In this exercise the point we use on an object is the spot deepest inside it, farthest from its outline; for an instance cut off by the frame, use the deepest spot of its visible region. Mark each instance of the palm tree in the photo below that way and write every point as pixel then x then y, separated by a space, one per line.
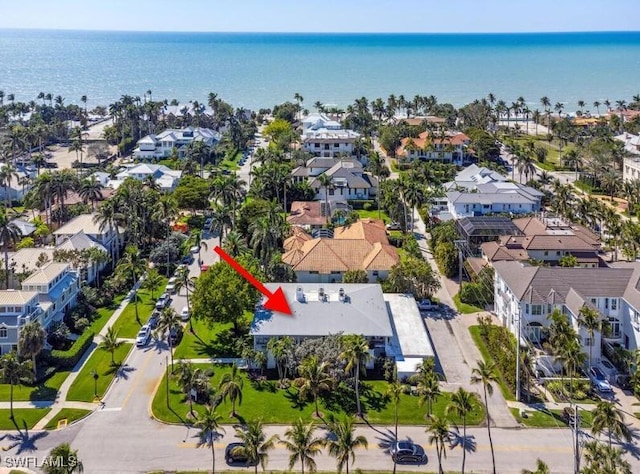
pixel 255 444
pixel 135 265
pixel 208 424
pixel 355 352
pixel 31 341
pixel 486 373
pixel 610 183
pixel 541 468
pixel 231 386
pixel 110 343
pixel 606 417
pixel 9 235
pixel 439 434
pixel 192 378
pixel 107 216
pixel 303 445
pixel 602 459
pixel 169 319
pixel 461 405
pixel 573 160
pixel 153 281
pixel 90 190
pixel 234 244
pixel 14 372
pixel 69 460
pixel 343 443
pixel 279 348
pixel 428 389
pixel 7 174
pixel 326 182
pixel 314 379
pixel 591 320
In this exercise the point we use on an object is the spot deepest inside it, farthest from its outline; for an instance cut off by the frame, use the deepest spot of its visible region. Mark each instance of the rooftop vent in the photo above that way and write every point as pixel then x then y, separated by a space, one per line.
pixel 300 294
pixel 341 295
pixel 321 294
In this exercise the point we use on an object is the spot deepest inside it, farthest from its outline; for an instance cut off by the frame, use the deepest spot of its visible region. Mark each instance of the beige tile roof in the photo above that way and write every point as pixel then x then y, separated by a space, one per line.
pixel 306 213
pixel 9 297
pixel 371 230
pixel 46 274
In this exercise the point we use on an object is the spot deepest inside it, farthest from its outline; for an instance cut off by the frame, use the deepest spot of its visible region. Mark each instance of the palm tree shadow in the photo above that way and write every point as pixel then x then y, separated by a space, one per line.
pixel 120 371
pixel 386 440
pixel 158 344
pixel 457 439
pixel 296 401
pixel 23 441
pixel 632 448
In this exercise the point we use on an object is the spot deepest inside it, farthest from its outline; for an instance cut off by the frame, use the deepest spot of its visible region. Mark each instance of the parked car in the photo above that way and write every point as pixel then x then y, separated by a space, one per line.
pixel 427 305
pixel 599 380
pixel 184 314
pixel 175 335
pixel 569 416
pixel 171 286
pixel 609 370
pixel 194 249
pixel 406 451
pixel 232 456
pixel 153 320
pixel 163 301
pixel 143 336
pixel 187 259
pixel 393 226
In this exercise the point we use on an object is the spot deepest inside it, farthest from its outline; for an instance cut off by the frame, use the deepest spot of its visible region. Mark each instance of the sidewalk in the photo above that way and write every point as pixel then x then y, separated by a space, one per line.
pixel 61 398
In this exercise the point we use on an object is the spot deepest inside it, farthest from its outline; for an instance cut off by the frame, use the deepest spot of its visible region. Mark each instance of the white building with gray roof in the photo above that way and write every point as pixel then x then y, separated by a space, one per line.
pixel 391 323
pixel 526 295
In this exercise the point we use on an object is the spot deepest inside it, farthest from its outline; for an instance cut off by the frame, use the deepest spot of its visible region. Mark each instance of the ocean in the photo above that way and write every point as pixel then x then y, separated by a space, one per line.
pixel 259 70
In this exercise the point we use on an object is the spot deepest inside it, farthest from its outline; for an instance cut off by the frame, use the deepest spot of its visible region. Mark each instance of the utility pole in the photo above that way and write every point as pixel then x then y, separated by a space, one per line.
pixel 576 448
pixel 459 246
pixel 518 336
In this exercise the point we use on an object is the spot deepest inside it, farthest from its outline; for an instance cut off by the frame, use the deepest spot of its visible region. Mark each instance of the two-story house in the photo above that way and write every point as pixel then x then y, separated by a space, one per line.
pixel 110 237
pixel 326 138
pixel 348 181
pixel 447 147
pixel 157 147
pixel 526 295
pixel 164 177
pixel 16 308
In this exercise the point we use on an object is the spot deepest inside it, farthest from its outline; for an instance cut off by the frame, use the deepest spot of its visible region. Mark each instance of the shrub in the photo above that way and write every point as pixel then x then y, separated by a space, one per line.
pixel 58 335
pixel 359 204
pixel 68 359
pixel 367 206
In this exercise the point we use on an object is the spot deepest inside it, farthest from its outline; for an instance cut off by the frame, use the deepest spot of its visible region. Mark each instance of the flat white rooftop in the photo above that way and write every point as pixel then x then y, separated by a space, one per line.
pixel 408 327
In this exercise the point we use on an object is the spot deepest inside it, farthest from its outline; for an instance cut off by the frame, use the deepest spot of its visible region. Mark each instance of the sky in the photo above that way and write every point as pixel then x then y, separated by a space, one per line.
pixel 428 16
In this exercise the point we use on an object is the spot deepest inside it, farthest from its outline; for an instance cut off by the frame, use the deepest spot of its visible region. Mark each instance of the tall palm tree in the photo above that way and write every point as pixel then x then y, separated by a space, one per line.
pixel 208 425
pixel 90 190
pixel 231 386
pixel 169 320
pixel 234 244
pixel 461 405
pixel 428 390
pixel 31 341
pixel 302 444
pixel 9 235
pixel 110 343
pixel 602 459
pixel 69 461
pixel 607 417
pixel 486 374
pixel 541 468
pixel 343 443
pixel 153 281
pixel 183 280
pixel 355 352
pixel 136 266
pixel 326 182
pixel 314 379
pixel 108 217
pixel 255 444
pixel 7 174
pixel 591 320
pixel 439 434
pixel 14 372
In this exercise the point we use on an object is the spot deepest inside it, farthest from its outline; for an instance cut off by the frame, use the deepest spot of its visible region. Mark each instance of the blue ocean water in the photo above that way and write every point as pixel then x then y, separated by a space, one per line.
pixel 259 70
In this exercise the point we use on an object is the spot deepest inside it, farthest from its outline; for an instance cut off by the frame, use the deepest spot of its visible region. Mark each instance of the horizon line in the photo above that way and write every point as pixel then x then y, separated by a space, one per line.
pixel 398 33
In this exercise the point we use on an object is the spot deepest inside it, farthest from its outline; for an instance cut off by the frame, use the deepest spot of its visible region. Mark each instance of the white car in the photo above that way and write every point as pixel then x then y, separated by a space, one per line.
pixel 427 305
pixel 171 286
pixel 184 314
pixel 143 336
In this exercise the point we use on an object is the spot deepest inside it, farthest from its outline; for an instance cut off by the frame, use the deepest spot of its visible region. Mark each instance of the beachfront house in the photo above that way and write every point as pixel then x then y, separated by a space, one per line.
pixel 323 137
pixel 447 147
pixel 160 146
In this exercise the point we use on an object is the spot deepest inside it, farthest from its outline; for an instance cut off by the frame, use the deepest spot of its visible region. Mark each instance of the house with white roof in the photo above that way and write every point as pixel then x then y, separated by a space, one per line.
pixel 45 296
pixel 108 236
pixel 157 147
pixel 526 295
pixel 166 178
pixel 478 191
pixel 326 138
pixel 19 184
pixel 348 181
pixel 391 324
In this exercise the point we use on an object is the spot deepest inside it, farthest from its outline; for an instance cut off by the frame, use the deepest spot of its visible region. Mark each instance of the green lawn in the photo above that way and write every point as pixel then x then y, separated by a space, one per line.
pixel 230 162
pixel 208 341
pixel 127 325
pixel 475 334
pixel 82 388
pixel 104 314
pixel 549 418
pixel 373 214
pixel 29 415
pixel 465 308
pixel 284 407
pixel 46 390
pixel 71 415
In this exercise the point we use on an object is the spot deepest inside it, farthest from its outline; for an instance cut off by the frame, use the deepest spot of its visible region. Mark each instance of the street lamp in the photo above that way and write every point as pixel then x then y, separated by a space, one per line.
pixel 95 383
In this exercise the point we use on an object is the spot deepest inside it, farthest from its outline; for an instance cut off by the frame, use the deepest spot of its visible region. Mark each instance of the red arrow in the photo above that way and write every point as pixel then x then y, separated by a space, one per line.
pixel 276 301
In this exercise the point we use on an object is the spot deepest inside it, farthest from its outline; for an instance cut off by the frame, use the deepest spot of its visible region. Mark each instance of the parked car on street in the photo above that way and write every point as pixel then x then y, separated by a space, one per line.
pixel 184 314
pixel 609 370
pixel 599 380
pixel 407 452
pixel 143 336
pixel 163 301
pixel 175 335
pixel 393 226
pixel 153 320
pixel 233 456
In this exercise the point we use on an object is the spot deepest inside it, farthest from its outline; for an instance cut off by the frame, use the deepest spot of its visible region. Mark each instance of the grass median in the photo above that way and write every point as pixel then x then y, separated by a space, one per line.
pixel 69 414
pixel 549 418
pixel 30 416
pixel 277 406
pixel 82 388
pixel 127 325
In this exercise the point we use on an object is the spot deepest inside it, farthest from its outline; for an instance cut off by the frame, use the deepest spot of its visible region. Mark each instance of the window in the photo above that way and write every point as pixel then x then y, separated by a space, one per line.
pixel 615 328
pixel 313 272
pixel 636 317
pixel 614 304
pixel 536 309
pixel 4 333
pixel 546 252
pixel 526 308
pixel 331 192
pixel 594 302
pixel 606 303
pixel 588 341
pixel 375 273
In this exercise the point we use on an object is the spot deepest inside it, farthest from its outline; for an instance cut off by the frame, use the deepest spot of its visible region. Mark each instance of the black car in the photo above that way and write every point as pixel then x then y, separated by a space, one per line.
pixel 187 259
pixel 233 456
pixel 407 452
pixel 175 335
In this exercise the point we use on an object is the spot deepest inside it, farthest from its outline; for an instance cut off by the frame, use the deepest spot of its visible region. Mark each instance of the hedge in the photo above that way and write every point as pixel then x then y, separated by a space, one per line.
pixel 358 205
pixel 69 358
